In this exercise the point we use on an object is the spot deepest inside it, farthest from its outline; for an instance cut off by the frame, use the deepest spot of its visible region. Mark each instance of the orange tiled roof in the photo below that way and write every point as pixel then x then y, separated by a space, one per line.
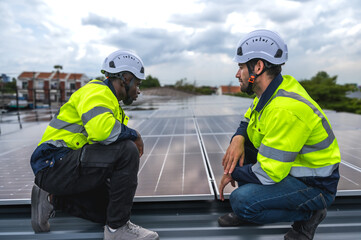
pixel 52 75
pixel 26 75
pixel 60 76
pixel 75 76
pixel 44 75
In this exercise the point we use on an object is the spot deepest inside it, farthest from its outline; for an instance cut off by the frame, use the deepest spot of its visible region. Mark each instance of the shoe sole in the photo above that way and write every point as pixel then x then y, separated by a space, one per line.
pixel 223 223
pixel 35 194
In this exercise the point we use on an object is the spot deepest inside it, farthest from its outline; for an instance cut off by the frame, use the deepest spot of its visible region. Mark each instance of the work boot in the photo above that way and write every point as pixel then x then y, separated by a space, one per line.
pixel 130 231
pixel 230 220
pixel 41 210
pixel 305 230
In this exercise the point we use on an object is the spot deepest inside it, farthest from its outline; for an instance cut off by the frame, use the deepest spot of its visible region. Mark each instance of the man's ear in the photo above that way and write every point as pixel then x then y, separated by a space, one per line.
pixel 127 77
pixel 259 67
pixel 120 81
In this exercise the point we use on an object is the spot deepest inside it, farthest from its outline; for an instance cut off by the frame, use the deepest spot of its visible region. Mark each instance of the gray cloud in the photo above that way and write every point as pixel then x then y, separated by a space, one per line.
pixel 321 35
pixel 213 40
pixel 160 46
pixel 211 15
pixel 102 22
pixel 154 45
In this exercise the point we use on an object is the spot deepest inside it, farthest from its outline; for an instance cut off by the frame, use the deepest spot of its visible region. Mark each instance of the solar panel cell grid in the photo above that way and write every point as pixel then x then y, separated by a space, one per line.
pixel 185 141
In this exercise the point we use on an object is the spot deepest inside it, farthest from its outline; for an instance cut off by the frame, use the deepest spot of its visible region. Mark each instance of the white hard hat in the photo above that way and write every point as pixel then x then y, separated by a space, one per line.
pixel 263 44
pixel 123 60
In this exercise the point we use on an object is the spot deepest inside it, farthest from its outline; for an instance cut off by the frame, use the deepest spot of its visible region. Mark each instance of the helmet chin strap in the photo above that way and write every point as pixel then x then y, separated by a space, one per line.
pixel 252 78
pixel 128 100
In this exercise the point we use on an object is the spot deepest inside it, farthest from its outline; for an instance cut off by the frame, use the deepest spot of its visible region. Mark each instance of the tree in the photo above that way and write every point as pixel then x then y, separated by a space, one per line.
pixel 330 95
pixel 180 83
pixel 101 78
pixel 150 82
pixel 9 87
pixel 183 85
pixel 58 67
pixel 323 88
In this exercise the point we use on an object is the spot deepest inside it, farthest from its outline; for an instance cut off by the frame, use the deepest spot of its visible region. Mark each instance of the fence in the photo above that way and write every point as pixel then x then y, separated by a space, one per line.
pixel 25 116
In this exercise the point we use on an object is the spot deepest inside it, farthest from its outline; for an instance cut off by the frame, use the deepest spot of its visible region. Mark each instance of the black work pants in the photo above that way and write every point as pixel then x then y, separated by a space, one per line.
pixel 97 182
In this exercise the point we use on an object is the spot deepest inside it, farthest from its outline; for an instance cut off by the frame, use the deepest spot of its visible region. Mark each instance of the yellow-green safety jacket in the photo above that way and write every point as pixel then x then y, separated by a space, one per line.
pixel 92 115
pixel 292 134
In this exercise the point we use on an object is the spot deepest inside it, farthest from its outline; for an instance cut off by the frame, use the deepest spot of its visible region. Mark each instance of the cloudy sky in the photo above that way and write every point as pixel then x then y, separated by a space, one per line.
pixel 193 39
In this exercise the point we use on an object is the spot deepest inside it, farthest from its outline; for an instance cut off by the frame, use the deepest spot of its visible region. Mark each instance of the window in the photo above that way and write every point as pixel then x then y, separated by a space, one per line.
pixel 24 85
pixel 40 84
pixel 54 85
pixel 72 86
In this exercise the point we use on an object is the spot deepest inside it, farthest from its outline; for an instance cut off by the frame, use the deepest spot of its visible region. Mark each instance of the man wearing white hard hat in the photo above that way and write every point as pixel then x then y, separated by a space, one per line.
pixel 284 155
pixel 87 161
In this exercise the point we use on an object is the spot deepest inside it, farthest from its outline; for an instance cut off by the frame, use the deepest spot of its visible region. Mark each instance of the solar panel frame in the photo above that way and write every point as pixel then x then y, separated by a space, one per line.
pixel 209 120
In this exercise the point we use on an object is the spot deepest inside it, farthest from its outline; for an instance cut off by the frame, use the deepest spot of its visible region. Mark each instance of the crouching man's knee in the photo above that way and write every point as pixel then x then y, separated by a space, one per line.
pixel 241 205
pixel 128 155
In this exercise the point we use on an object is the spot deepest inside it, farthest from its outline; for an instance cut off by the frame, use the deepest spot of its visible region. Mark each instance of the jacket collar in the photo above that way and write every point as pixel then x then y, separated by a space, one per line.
pixel 110 85
pixel 267 94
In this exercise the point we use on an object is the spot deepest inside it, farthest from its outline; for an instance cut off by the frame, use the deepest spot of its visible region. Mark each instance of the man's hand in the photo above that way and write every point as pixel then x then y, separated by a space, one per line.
pixel 139 143
pixel 227 178
pixel 234 153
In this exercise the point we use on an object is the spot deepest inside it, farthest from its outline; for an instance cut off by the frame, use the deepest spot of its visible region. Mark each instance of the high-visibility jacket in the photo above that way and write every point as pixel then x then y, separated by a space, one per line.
pixel 92 115
pixel 292 134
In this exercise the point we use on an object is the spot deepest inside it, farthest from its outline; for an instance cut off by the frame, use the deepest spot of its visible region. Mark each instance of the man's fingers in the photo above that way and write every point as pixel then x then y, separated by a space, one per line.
pixel 221 187
pixel 233 165
pixel 227 166
pixel 241 160
pixel 224 159
pixel 230 166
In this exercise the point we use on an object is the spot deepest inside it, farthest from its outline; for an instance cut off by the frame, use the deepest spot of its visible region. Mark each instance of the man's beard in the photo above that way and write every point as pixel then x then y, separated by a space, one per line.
pixel 244 87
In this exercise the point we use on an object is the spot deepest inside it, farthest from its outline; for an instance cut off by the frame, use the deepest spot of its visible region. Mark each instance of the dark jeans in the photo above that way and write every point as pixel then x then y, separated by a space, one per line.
pixel 287 201
pixel 97 182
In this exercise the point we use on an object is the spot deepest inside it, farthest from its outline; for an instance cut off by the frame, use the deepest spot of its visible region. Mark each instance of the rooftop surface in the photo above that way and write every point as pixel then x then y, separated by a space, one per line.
pixel 177 195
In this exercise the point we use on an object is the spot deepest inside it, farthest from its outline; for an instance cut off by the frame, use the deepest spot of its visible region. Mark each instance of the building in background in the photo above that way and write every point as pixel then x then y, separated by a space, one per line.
pixel 47 88
pixel 228 90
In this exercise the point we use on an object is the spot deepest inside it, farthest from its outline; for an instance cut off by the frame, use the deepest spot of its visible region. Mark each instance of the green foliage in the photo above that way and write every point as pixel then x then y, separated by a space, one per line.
pixel 9 87
pixel 101 78
pixel 183 85
pixel 58 67
pixel 150 82
pixel 329 95
pixel 323 88
pixel 205 90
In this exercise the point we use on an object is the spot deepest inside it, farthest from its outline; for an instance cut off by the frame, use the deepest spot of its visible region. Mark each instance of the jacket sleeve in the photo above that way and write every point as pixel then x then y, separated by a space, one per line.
pixel 97 114
pixel 245 174
pixel 241 130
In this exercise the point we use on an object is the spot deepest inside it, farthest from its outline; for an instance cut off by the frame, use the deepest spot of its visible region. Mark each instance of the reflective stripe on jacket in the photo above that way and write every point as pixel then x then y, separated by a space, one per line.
pixel 292 134
pixel 92 115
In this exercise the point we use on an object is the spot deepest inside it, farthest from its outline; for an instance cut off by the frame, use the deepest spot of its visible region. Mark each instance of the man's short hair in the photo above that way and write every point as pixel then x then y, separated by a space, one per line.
pixel 273 69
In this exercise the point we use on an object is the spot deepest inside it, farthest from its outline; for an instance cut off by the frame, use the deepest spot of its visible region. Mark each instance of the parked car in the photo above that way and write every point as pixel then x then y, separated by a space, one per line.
pixel 22 104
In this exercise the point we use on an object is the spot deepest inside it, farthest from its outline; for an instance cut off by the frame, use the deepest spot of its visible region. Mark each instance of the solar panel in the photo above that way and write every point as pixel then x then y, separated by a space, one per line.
pixel 185 140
